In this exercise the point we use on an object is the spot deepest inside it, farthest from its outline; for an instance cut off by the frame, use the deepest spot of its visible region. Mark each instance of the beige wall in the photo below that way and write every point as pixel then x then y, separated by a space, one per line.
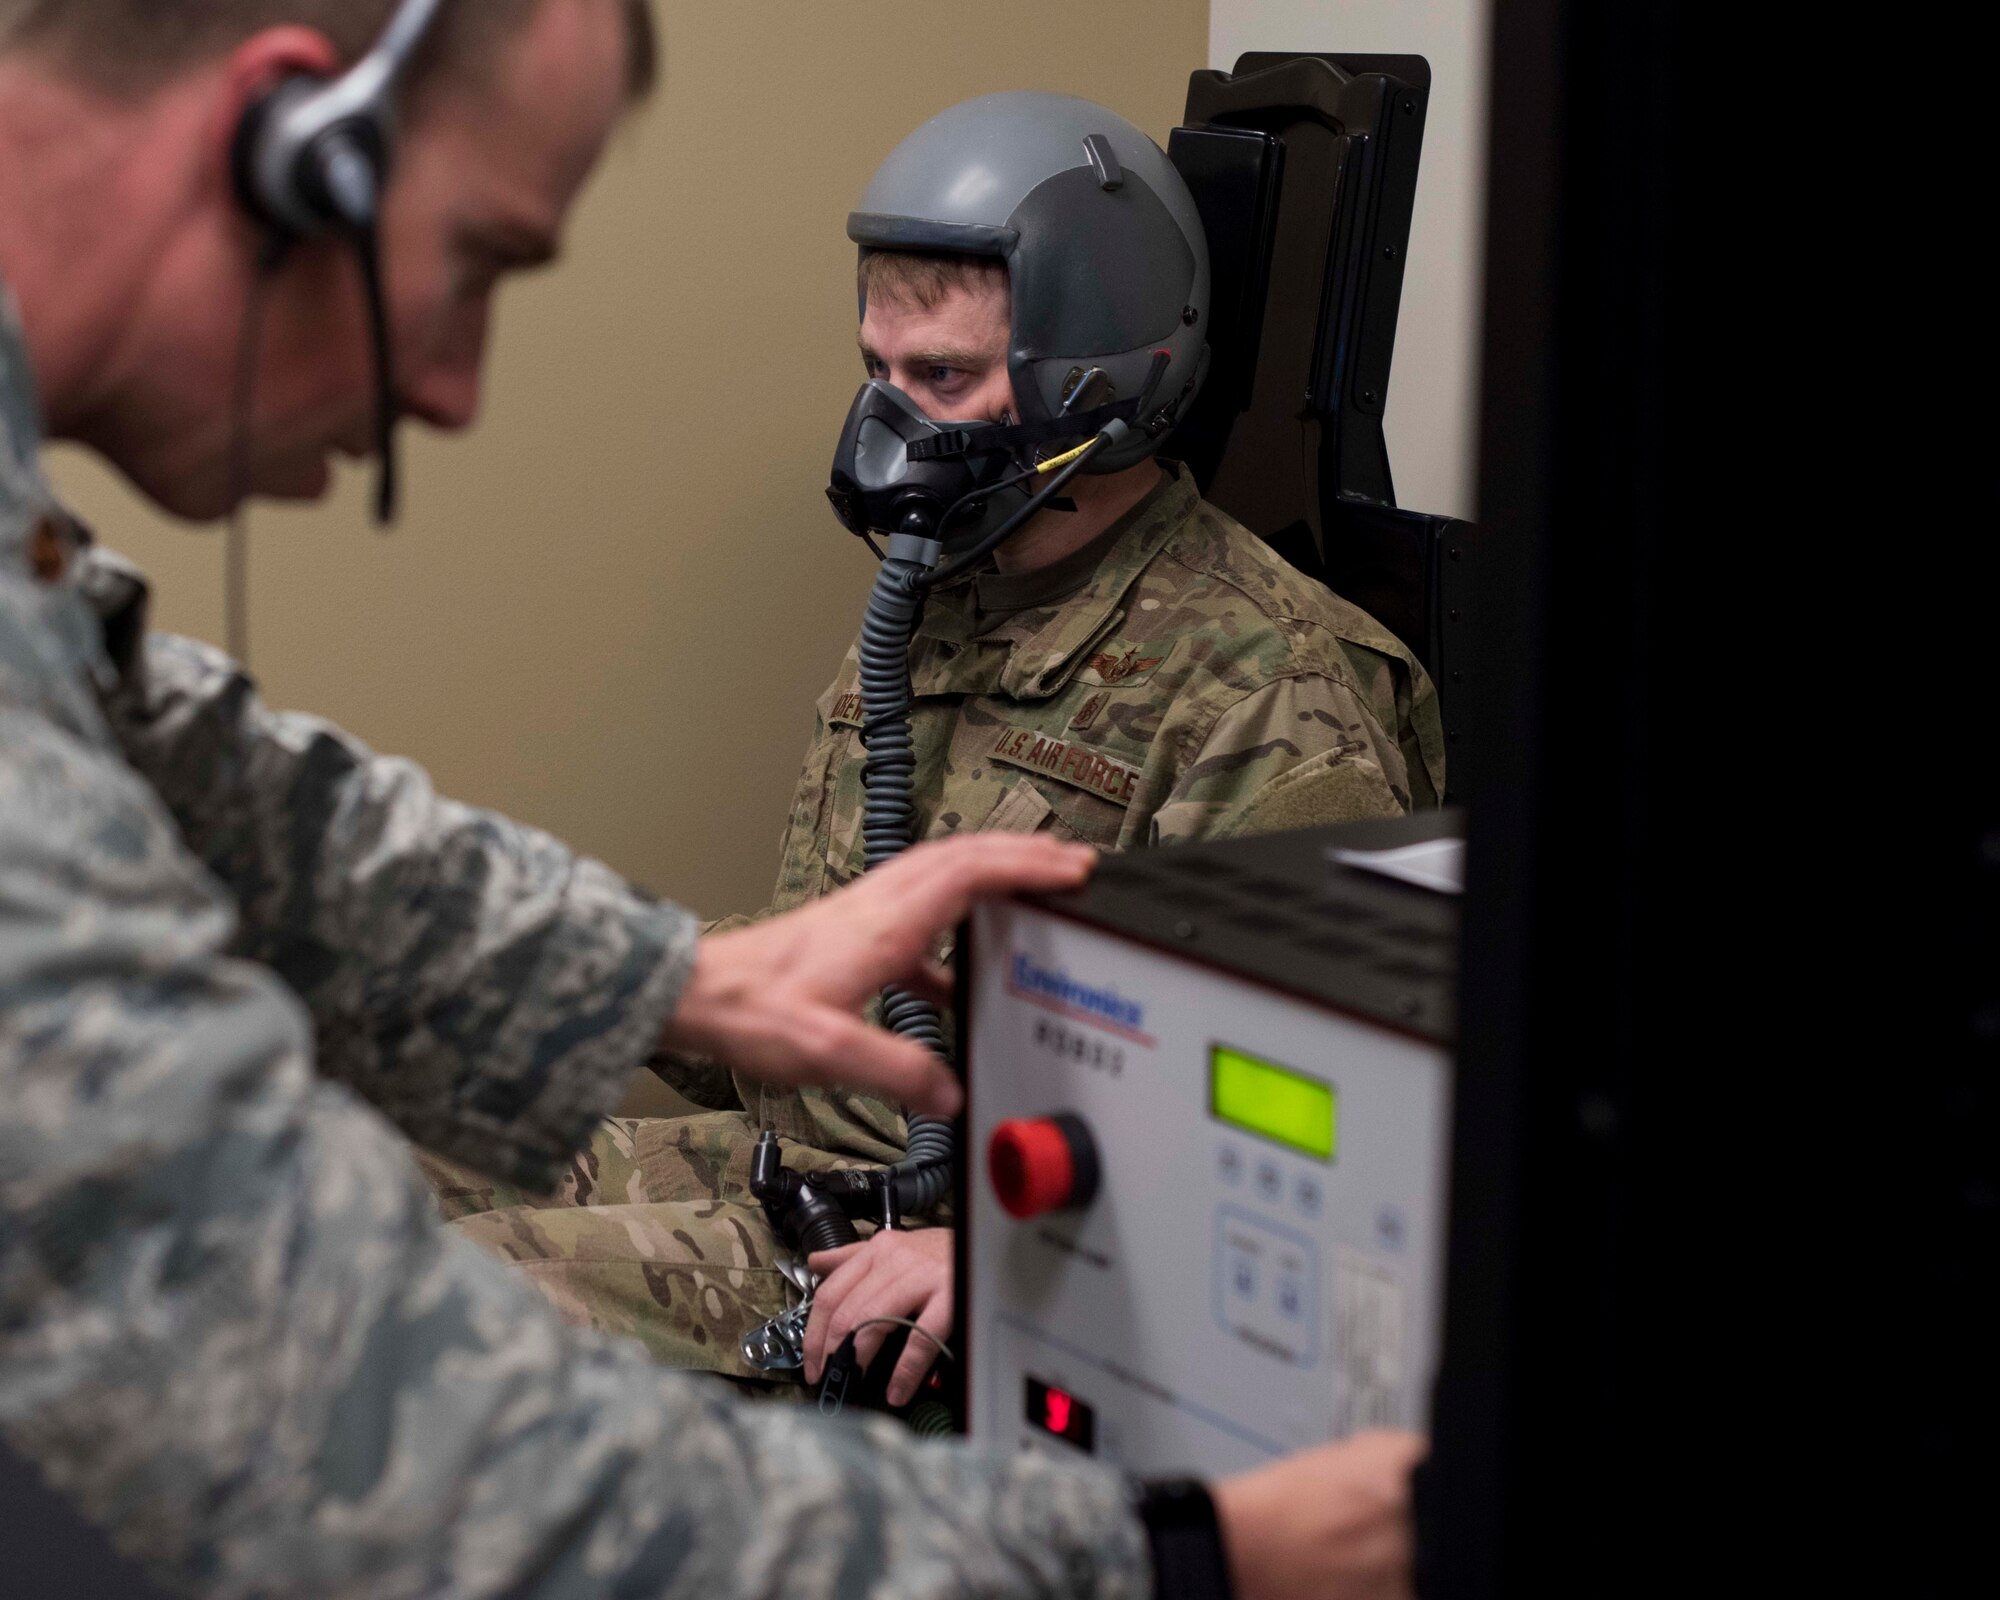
pixel 609 609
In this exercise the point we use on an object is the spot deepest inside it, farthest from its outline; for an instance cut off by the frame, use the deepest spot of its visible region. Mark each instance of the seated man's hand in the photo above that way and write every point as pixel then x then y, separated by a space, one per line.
pixel 1329 1524
pixel 894 1274
pixel 781 1000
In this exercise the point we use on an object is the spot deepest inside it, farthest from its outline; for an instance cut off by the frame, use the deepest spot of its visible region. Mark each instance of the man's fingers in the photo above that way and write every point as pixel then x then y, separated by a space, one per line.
pixel 932 982
pixel 825 1327
pixel 897 1298
pixel 889 921
pixel 920 1355
pixel 887 1283
pixel 849 1315
pixel 868 1341
pixel 935 884
pixel 1400 1449
pixel 849 1051
pixel 827 1301
pixel 828 1262
pixel 777 1000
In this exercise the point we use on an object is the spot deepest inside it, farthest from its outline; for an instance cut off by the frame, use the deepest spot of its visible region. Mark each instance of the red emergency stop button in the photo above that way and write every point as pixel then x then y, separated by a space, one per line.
pixel 1043 1164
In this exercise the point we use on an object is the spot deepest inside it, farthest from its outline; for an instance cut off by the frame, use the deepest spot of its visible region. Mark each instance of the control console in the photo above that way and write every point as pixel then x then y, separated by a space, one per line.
pixel 1206 1151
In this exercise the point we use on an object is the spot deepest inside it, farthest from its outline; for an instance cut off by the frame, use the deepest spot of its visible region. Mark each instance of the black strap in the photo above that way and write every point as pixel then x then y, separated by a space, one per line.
pixel 368 251
pixel 950 442
pixel 1189 1562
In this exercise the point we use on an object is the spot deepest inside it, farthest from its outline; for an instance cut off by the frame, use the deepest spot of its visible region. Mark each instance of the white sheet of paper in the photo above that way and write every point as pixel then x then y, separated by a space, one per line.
pixel 1435 864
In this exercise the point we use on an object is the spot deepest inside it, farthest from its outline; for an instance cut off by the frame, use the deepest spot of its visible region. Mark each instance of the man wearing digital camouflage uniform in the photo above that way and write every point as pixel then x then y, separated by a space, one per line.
pixel 1142 671
pixel 239 953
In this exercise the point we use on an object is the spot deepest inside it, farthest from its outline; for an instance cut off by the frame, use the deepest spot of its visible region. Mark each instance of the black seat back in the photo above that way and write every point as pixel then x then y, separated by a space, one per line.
pixel 1305 171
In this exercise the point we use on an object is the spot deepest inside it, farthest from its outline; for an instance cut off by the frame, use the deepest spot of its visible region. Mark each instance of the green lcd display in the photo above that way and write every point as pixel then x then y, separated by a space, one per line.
pixel 1272 1102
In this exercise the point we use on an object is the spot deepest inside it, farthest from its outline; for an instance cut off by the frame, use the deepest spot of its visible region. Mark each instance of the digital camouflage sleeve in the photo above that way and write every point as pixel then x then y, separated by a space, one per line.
pixel 487 989
pixel 232 1329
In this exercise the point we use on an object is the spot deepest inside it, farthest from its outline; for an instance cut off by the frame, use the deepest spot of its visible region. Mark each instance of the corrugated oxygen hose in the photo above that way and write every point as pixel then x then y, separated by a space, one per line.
pixel 888 827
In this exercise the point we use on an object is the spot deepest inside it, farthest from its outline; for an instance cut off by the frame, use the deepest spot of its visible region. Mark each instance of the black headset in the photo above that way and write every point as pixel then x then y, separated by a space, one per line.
pixel 312 160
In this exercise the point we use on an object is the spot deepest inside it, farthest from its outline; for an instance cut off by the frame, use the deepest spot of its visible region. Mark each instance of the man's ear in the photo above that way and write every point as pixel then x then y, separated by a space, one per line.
pixel 256 67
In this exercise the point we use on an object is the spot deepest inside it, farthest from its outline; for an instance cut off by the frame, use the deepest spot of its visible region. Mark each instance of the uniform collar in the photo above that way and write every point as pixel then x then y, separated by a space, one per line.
pixel 1033 654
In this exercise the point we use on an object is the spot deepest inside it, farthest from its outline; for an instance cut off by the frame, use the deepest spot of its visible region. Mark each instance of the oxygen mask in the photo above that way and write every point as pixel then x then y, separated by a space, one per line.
pixel 895 464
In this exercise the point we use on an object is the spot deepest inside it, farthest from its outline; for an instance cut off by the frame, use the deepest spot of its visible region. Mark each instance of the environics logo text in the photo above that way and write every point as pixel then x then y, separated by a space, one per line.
pixel 1057 990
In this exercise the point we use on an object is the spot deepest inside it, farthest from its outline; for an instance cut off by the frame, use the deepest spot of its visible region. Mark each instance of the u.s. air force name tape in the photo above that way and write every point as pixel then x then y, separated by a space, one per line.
pixel 1067 763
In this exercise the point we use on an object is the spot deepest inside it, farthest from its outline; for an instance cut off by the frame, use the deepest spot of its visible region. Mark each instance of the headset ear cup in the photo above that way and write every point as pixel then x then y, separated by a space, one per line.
pixel 243 153
pixel 250 155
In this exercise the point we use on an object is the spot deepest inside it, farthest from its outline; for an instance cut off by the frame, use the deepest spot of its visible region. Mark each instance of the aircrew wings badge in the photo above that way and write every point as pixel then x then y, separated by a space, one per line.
pixel 1110 668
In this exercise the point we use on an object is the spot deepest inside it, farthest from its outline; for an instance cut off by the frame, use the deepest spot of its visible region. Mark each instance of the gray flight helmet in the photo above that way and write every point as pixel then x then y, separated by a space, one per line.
pixel 1103 245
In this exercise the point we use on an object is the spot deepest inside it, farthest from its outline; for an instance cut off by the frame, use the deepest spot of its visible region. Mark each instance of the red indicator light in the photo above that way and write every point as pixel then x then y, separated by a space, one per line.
pixel 1059 1413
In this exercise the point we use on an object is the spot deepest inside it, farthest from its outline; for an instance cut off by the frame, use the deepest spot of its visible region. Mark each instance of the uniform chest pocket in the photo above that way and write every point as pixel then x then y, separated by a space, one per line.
pixel 1086 793
pixel 1076 815
pixel 1026 808
pixel 1022 809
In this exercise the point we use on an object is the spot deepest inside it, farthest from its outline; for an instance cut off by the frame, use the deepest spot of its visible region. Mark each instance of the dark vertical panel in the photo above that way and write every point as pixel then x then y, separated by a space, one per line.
pixel 1942 1047
pixel 1577 894
pixel 1471 1505
pixel 1725 1198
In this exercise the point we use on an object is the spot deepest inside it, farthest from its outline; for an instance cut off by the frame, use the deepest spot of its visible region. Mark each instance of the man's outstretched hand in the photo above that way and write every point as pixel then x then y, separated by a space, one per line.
pixel 1328 1524
pixel 781 1000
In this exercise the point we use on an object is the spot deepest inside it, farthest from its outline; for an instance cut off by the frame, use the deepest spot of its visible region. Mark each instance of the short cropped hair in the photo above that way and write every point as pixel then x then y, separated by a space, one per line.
pixel 915 277
pixel 130 46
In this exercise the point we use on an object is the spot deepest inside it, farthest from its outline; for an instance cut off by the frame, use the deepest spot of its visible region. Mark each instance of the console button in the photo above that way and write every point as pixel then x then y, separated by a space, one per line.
pixel 1043 1164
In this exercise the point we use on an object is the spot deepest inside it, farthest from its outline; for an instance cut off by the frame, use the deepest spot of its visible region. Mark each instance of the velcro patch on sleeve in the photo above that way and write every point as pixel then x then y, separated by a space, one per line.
pixel 1069 763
